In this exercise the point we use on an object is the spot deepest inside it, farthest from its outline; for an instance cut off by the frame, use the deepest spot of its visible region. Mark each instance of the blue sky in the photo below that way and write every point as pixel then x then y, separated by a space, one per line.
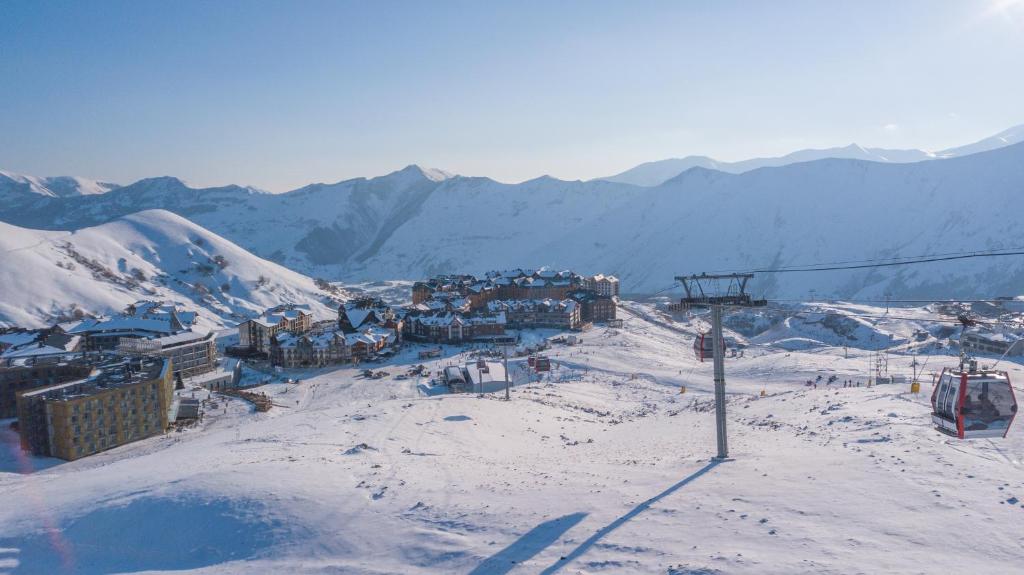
pixel 280 94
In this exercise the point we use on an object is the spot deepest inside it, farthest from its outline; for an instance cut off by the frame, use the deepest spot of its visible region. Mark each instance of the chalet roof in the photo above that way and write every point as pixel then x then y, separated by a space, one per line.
pixel 358 316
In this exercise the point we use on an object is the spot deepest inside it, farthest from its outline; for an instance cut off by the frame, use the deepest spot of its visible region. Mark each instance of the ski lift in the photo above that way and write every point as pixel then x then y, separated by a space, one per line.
pixel 968 402
pixel 704 346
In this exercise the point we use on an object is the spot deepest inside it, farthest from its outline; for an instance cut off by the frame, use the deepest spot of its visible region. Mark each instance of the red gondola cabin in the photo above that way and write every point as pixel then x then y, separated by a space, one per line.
pixel 704 346
pixel 968 402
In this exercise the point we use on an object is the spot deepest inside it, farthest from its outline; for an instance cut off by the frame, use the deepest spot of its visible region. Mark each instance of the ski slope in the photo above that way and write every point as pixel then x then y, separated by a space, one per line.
pixel 47 275
pixel 609 473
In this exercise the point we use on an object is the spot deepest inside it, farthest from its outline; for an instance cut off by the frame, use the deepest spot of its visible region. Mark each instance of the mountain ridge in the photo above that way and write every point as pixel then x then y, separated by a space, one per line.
pixel 659 171
pixel 408 225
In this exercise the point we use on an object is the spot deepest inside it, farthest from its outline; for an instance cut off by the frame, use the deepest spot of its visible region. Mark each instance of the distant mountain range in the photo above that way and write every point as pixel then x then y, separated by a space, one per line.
pixel 415 222
pixel 655 173
pixel 13 186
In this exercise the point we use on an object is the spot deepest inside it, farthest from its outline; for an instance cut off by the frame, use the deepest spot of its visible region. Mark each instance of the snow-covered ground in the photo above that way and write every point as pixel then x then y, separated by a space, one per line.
pixel 609 473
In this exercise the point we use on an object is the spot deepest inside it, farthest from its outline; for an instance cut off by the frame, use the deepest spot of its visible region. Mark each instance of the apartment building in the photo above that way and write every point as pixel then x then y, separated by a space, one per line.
pixel 126 400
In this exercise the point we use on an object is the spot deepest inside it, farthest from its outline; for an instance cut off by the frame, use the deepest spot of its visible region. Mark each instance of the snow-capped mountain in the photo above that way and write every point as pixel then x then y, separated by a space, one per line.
pixel 658 172
pixel 416 222
pixel 319 229
pixel 47 275
pixel 704 220
pixel 1007 137
pixel 18 187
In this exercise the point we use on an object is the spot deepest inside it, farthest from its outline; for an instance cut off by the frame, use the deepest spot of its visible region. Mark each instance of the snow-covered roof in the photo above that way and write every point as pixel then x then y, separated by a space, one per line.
pixel 53 345
pixel 320 341
pixel 994 336
pixel 357 316
pixel 126 324
pixel 287 339
pixel 274 316
pixel 437 320
pixel 182 338
pixel 108 375
pixel 18 338
pixel 491 372
pixel 496 319
pixel 377 331
pixel 33 350
pixel 566 305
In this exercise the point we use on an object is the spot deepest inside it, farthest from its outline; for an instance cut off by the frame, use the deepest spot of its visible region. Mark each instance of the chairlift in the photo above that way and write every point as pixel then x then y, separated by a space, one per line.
pixel 969 402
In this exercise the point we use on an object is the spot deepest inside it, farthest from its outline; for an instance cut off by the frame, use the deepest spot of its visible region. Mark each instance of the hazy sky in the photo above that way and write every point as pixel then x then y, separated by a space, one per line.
pixel 280 94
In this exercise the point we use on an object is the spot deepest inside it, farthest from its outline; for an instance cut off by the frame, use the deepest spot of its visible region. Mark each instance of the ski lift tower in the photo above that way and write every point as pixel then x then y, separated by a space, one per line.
pixel 705 291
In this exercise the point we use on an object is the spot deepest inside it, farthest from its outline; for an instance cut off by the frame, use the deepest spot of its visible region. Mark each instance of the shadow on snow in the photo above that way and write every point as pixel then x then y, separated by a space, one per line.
pixel 146 534
pixel 586 545
pixel 528 545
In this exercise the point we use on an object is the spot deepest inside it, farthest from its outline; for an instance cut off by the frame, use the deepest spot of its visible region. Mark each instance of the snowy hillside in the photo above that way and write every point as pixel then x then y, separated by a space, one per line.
pixel 603 469
pixel 150 255
pixel 416 222
pixel 658 172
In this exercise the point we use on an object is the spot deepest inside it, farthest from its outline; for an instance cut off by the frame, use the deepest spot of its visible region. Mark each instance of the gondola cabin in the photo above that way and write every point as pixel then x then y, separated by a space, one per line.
pixel 542 363
pixel 968 402
pixel 704 346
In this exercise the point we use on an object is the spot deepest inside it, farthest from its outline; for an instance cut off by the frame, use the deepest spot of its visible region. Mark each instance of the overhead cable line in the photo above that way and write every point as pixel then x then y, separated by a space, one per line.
pixel 893 259
pixel 902 262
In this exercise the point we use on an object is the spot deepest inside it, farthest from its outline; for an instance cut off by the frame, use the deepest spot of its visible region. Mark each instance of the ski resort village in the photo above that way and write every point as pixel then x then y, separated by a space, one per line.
pixel 228 399
pixel 511 288
pixel 519 421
